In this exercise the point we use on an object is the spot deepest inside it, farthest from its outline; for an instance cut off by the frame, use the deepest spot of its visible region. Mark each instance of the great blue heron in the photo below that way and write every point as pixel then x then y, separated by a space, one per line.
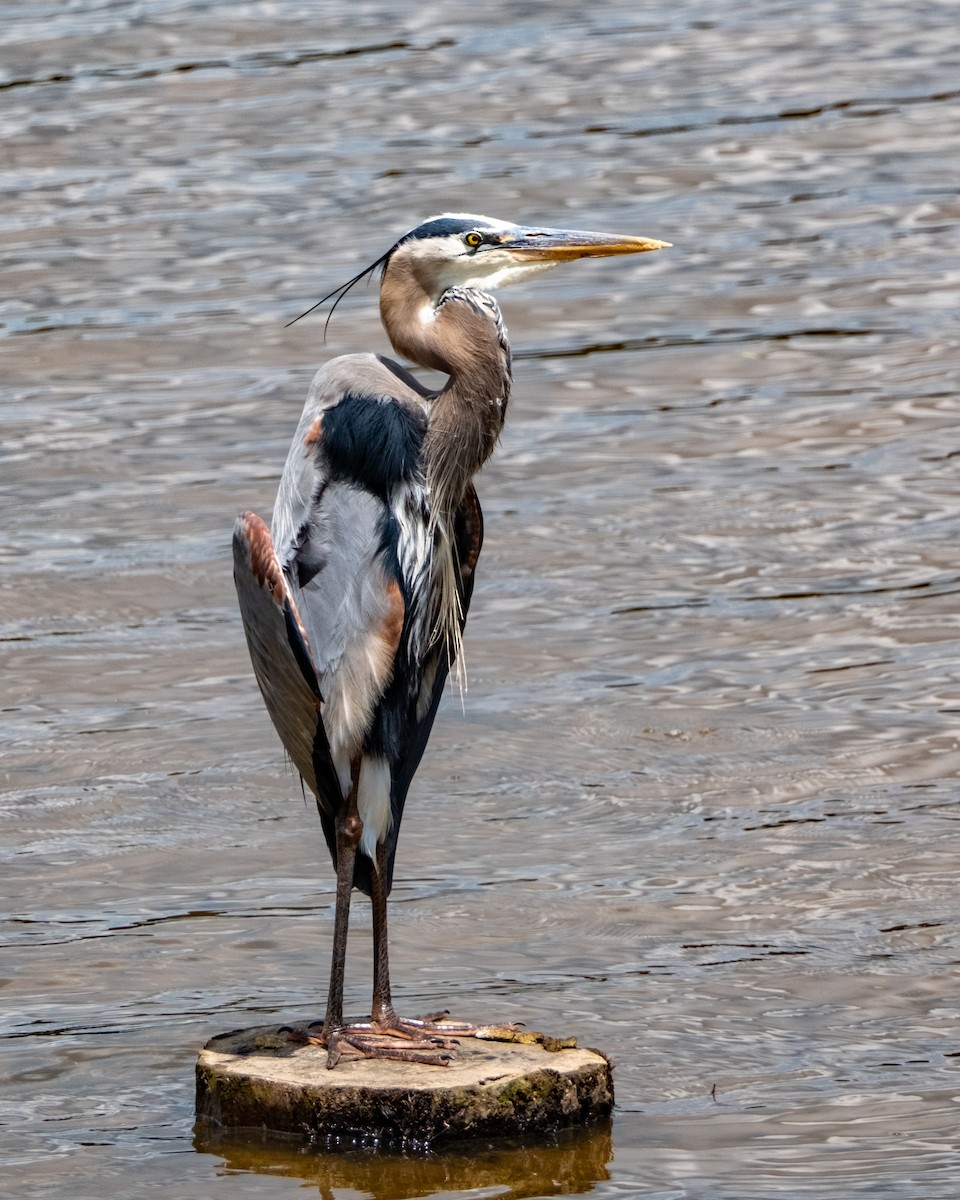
pixel 354 601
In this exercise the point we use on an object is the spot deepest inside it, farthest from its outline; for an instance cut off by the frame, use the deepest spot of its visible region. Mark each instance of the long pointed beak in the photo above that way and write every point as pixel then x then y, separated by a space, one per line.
pixel 564 245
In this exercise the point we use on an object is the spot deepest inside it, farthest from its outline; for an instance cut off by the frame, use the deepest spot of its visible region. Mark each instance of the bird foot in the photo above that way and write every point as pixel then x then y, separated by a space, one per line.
pixel 436 1027
pixel 368 1042
pixel 416 1040
pixel 427 1040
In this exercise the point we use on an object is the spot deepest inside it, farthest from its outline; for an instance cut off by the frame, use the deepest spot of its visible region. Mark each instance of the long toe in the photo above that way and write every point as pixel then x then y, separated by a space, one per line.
pixel 428 1040
pixel 358 1043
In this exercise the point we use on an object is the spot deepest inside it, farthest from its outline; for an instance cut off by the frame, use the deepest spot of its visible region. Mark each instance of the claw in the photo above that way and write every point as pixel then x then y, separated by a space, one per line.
pixel 422 1040
pixel 366 1043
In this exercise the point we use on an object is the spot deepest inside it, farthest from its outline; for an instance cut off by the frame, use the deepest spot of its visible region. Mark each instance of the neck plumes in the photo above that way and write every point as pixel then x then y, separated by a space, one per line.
pixel 458 332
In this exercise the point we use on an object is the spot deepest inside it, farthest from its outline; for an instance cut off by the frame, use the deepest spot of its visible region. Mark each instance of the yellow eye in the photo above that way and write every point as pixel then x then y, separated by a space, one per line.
pixel 473 239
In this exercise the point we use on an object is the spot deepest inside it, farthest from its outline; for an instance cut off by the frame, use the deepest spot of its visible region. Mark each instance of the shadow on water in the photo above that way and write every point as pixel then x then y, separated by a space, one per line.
pixel 572 1163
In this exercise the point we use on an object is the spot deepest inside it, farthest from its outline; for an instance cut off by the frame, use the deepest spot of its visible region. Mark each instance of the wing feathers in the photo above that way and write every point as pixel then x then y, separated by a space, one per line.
pixel 337 603
pixel 281 657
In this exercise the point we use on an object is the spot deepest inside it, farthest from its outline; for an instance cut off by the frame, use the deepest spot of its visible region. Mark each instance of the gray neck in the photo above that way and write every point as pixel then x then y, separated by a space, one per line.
pixel 462 335
pixel 466 417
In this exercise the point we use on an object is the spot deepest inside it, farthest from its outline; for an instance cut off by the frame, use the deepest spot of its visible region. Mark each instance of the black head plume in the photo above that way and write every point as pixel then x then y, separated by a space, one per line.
pixel 342 290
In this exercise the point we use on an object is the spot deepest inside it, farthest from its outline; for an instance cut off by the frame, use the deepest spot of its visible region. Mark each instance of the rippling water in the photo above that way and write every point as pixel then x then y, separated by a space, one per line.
pixel 700 808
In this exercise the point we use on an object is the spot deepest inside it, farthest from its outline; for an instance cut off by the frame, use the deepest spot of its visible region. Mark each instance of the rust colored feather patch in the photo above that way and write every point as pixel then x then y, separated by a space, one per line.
pixel 392 626
pixel 474 524
pixel 314 434
pixel 266 567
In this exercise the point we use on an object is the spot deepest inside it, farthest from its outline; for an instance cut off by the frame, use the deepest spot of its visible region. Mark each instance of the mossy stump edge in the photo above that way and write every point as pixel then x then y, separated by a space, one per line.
pixel 261 1080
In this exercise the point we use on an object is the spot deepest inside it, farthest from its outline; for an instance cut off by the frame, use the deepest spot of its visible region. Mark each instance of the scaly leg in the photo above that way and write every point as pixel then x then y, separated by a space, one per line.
pixel 383 1016
pixel 384 1036
pixel 349 829
pixel 422 1032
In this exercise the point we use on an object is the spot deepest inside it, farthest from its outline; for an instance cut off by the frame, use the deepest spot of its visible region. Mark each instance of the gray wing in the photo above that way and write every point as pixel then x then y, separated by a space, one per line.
pixel 281 656
pixel 352 610
pixel 334 527
pixel 320 595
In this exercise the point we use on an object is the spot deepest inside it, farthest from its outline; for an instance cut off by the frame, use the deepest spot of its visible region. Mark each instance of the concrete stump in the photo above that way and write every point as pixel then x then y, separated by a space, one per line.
pixel 261 1080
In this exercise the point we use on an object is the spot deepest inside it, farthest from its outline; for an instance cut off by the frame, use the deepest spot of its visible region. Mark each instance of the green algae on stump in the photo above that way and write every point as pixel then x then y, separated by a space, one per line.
pixel 260 1079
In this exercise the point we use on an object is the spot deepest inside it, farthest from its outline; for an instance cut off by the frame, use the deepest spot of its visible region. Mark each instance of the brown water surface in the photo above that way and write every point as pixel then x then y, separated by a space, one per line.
pixel 700 806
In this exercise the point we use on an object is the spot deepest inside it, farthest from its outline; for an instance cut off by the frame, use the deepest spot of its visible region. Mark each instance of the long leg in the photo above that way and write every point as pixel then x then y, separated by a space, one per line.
pixel 381 1012
pixel 379 1039
pixel 383 1016
pixel 349 829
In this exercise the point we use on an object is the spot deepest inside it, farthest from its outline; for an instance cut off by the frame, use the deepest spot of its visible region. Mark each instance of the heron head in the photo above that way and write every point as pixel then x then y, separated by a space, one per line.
pixel 468 251
pixel 463 250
